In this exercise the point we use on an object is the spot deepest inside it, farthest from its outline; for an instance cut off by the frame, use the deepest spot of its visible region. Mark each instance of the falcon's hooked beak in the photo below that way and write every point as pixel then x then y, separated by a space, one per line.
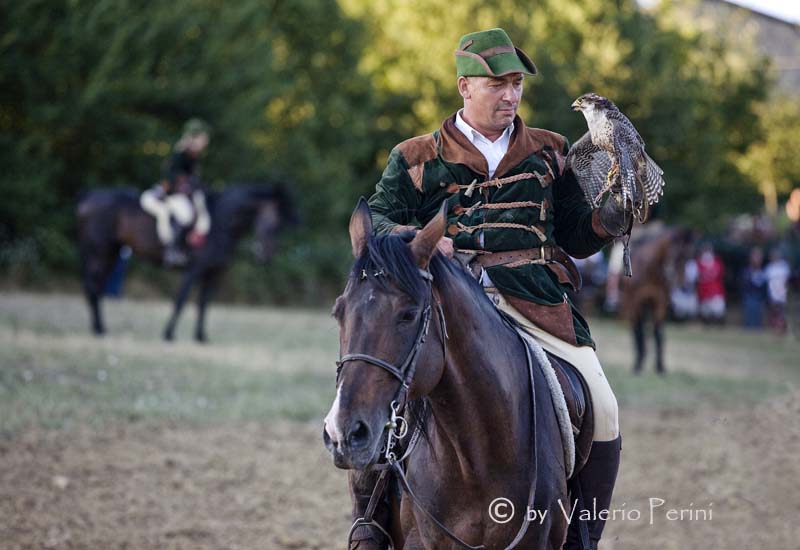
pixel 577 105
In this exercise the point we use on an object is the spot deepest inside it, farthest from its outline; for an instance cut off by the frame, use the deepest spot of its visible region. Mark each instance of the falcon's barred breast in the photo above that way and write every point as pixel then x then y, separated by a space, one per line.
pixel 610 153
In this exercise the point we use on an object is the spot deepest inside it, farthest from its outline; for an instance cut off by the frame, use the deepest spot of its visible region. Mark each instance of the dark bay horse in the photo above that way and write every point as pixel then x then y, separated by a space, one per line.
pixel 111 218
pixel 416 328
pixel 660 252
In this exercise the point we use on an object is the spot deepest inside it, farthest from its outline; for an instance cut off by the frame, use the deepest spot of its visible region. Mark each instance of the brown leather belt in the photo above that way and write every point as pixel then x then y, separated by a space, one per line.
pixel 552 256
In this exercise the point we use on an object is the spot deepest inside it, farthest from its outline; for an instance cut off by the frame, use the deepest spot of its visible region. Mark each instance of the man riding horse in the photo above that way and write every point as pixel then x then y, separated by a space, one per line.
pixel 515 213
pixel 177 201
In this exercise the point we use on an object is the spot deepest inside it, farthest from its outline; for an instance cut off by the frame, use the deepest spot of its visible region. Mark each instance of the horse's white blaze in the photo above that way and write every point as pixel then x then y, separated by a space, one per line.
pixel 332 420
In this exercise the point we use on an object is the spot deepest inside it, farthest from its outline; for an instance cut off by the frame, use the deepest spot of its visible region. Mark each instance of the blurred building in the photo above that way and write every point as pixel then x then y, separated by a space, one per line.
pixel 774 38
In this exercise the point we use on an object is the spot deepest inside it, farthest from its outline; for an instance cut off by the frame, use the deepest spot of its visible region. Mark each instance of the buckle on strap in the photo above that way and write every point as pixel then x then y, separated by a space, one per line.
pixel 542 259
pixel 545 254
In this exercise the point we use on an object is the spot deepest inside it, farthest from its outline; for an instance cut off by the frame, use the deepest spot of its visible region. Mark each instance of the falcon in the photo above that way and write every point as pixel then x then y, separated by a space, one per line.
pixel 611 156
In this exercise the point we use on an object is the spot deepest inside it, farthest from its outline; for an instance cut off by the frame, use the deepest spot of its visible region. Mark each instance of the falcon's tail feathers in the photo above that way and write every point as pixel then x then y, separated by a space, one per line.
pixel 653 181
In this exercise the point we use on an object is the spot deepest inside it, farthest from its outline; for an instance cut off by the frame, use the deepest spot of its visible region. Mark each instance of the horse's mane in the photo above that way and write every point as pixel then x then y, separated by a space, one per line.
pixel 230 203
pixel 391 256
pixel 241 193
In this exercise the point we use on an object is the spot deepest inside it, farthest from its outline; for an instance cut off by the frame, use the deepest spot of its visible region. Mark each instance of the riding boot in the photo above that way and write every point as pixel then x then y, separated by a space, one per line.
pixel 368 537
pixel 594 485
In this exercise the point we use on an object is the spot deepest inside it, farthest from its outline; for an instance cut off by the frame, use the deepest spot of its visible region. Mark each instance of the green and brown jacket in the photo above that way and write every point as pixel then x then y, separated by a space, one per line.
pixel 530 202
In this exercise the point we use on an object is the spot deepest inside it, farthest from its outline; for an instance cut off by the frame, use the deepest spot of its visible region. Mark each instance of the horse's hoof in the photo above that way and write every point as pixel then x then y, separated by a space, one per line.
pixel 201 338
pixel 169 337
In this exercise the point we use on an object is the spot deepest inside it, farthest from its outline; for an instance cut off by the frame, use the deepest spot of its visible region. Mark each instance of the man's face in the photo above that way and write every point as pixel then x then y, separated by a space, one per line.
pixel 490 103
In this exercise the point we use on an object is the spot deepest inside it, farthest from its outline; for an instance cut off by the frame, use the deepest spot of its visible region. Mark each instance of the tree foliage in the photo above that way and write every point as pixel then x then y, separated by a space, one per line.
pixel 772 161
pixel 94 93
pixel 692 98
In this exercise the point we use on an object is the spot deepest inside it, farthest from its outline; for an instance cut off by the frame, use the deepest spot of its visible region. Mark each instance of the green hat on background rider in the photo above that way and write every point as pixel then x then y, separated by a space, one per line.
pixel 195 137
pixel 194 127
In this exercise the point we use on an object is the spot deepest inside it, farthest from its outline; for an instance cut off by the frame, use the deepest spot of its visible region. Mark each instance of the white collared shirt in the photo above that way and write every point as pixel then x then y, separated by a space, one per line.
pixel 493 151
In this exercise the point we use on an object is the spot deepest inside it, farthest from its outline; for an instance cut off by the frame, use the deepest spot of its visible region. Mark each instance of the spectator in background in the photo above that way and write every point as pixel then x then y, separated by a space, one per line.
pixel 593 271
pixel 710 287
pixel 613 275
pixel 754 290
pixel 684 293
pixel 777 275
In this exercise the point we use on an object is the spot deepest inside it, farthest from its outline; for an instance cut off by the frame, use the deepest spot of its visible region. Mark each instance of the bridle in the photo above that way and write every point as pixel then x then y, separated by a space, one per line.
pixel 397 425
pixel 405 372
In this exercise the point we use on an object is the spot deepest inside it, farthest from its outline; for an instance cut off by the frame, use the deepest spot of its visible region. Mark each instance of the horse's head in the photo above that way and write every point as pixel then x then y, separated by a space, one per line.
pixel 390 337
pixel 266 225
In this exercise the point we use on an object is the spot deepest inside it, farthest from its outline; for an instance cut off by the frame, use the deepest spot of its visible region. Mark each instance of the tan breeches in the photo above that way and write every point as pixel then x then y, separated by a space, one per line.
pixel 604 403
pixel 179 206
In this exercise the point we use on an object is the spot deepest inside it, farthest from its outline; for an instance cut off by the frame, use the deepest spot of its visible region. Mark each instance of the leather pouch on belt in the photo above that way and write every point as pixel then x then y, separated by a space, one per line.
pixel 561 273
pixel 557 319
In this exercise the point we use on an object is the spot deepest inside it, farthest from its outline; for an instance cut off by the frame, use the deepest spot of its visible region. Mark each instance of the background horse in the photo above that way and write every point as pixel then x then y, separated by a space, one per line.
pixel 659 253
pixel 490 430
pixel 111 218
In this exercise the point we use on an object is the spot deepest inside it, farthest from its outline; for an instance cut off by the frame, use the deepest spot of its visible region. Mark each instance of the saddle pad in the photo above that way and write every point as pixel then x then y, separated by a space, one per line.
pixel 559 402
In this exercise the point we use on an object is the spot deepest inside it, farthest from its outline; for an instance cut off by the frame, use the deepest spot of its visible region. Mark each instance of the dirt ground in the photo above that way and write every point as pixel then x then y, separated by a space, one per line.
pixel 168 487
pixel 252 474
pixel 272 486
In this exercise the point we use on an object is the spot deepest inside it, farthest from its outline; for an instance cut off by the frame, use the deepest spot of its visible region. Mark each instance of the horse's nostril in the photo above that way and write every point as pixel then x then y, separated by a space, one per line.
pixel 359 435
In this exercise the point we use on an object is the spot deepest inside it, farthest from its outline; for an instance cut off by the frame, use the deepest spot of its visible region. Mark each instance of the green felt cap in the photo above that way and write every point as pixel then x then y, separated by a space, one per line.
pixel 491 53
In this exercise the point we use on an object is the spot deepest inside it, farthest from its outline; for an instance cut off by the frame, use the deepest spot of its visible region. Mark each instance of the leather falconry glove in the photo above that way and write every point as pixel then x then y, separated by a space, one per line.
pixel 615 216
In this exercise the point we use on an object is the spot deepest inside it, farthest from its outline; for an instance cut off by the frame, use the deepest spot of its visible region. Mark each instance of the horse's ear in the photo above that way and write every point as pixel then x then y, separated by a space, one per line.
pixel 423 246
pixel 360 227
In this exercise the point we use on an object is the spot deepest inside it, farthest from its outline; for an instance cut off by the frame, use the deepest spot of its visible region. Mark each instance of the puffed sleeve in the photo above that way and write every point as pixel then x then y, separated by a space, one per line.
pixel 396 201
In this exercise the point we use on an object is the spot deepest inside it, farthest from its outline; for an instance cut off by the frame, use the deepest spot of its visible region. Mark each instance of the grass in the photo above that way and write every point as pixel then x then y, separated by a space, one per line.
pixel 266 364
pixel 706 366
pixel 263 364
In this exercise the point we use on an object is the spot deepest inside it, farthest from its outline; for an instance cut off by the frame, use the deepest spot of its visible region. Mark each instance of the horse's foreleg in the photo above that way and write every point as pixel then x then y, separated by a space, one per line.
pixel 94 272
pixel 93 295
pixel 207 288
pixel 98 327
pixel 180 300
pixel 641 346
pixel 658 333
pixel 413 541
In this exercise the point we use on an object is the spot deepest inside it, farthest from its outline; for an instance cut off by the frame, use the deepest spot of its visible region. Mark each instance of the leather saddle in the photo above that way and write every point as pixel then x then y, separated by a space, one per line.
pixel 579 405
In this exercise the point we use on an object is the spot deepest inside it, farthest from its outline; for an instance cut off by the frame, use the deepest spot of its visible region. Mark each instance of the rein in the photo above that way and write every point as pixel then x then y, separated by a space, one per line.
pixel 397 426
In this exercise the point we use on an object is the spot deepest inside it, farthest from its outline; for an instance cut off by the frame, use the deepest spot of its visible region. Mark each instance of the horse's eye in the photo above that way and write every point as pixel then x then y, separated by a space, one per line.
pixel 408 315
